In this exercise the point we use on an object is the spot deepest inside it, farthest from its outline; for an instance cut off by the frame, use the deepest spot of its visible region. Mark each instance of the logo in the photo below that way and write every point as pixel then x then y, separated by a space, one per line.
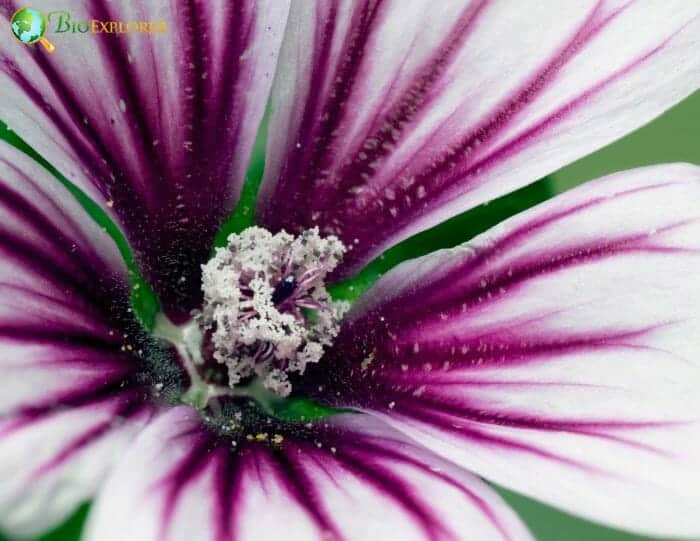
pixel 30 25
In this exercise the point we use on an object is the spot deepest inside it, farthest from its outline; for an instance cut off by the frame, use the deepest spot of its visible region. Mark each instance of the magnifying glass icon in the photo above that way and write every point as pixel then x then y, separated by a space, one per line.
pixel 29 26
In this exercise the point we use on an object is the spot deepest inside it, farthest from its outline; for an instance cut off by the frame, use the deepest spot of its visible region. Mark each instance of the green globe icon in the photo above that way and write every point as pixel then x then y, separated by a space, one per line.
pixel 28 25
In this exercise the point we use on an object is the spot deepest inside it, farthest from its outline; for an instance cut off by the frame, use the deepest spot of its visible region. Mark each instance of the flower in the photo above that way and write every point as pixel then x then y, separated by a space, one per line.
pixel 555 354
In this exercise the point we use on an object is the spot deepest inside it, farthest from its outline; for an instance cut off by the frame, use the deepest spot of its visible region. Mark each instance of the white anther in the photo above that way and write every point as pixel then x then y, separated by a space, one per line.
pixel 266 309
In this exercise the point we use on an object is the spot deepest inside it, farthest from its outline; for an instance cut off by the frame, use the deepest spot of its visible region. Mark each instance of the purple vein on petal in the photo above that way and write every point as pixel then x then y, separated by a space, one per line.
pixel 311 483
pixel 190 467
pixel 124 153
pixel 302 489
pixel 370 449
pixel 469 277
pixel 125 411
pixel 375 161
pixel 385 482
pixel 228 485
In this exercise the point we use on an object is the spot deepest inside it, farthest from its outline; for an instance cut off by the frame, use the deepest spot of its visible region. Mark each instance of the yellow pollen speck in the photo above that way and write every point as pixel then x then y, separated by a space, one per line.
pixel 249 437
pixel 262 436
pixel 110 203
pixel 277 439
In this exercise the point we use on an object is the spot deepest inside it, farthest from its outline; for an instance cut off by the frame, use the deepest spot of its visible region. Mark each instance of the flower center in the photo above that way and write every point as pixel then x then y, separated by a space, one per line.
pixel 266 313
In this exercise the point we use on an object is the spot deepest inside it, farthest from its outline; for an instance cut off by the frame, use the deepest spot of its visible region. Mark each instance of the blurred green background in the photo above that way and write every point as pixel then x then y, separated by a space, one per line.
pixel 675 136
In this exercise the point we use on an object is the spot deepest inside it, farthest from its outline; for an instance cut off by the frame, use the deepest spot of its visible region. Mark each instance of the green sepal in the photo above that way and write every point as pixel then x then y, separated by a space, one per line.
pixel 144 301
pixel 297 409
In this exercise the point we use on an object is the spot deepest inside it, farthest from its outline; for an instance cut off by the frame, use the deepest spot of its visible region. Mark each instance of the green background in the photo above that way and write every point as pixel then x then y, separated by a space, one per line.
pixel 675 136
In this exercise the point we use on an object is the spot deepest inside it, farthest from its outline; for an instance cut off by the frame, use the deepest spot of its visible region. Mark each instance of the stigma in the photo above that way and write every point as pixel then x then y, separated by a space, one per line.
pixel 266 312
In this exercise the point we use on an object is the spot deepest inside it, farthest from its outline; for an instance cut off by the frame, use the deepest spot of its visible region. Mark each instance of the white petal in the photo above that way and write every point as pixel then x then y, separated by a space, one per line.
pixel 392 117
pixel 52 462
pixel 355 479
pixel 556 354
pixel 67 405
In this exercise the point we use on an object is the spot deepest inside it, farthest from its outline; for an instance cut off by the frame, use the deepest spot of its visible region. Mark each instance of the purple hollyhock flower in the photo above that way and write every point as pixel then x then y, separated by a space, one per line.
pixel 556 354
